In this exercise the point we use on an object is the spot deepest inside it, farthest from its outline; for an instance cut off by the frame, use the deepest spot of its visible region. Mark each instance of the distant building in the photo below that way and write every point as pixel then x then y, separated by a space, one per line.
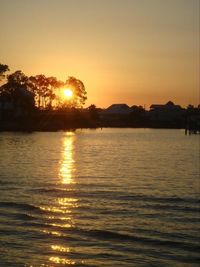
pixel 115 115
pixel 168 106
pixel 165 113
pixel 118 109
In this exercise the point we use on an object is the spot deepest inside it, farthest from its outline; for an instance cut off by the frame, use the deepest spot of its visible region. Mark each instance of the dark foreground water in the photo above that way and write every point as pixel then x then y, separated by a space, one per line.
pixel 111 197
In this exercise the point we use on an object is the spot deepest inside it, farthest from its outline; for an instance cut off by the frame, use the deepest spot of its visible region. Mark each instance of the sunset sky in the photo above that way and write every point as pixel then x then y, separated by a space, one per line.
pixel 125 51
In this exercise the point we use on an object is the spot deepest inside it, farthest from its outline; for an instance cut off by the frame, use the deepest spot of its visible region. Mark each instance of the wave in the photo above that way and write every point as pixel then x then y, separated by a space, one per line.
pixel 108 235
pixel 8 204
pixel 160 199
pixel 18 216
pixel 49 190
pixel 171 208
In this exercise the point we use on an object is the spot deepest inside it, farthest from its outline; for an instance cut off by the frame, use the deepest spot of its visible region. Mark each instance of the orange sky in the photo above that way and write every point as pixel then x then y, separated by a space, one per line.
pixel 125 51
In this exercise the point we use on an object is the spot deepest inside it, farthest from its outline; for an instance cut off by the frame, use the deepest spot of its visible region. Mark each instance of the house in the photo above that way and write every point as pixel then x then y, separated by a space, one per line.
pixel 118 109
pixel 115 115
pixel 167 113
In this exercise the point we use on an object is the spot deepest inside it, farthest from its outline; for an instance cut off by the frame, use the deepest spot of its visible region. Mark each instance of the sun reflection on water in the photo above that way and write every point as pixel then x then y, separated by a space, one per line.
pixel 61 212
pixel 61 261
pixel 67 163
pixel 68 202
pixel 60 248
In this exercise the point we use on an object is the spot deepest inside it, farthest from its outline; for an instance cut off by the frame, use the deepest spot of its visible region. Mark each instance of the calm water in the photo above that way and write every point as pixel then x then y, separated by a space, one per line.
pixel 111 197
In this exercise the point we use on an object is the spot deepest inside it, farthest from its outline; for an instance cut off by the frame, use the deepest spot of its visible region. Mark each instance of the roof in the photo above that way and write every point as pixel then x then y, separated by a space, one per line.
pixel 169 105
pixel 118 109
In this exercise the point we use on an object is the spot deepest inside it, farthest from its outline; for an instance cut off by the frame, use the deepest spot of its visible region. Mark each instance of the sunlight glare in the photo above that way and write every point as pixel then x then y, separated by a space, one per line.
pixel 67 92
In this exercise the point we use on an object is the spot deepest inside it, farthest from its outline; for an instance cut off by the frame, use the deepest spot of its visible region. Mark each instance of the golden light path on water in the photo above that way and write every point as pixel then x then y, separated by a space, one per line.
pixel 64 205
pixel 67 164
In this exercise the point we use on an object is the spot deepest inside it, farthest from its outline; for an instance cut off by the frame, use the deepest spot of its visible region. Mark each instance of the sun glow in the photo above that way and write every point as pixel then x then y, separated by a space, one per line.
pixel 67 92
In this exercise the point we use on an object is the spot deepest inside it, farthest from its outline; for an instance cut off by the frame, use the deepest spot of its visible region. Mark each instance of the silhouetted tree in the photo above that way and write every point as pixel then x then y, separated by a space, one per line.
pixel 38 85
pixel 137 111
pixel 16 91
pixel 192 110
pixel 170 103
pixel 79 92
pixel 3 69
pixel 15 82
pixel 137 115
pixel 51 94
pixel 44 89
pixel 18 78
pixel 93 112
pixel 190 107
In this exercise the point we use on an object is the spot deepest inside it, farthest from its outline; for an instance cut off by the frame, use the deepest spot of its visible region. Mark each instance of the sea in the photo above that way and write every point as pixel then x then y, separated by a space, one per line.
pixel 100 197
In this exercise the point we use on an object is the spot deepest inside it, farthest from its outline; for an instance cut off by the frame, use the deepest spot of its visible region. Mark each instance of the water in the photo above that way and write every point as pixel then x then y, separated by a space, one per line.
pixel 111 197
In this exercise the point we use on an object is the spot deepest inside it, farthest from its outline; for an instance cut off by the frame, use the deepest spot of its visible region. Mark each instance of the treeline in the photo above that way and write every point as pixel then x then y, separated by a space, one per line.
pixel 39 91
pixel 38 103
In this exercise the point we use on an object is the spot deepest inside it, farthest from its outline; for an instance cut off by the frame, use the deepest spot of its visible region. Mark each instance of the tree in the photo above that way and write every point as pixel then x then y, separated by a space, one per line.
pixel 16 91
pixel 18 78
pixel 44 89
pixel 38 85
pixel 137 110
pixel 190 107
pixel 3 69
pixel 137 114
pixel 15 82
pixel 93 112
pixel 53 85
pixel 170 103
pixel 79 92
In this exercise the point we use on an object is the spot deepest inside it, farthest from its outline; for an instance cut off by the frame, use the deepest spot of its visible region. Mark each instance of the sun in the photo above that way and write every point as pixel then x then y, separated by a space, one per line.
pixel 67 93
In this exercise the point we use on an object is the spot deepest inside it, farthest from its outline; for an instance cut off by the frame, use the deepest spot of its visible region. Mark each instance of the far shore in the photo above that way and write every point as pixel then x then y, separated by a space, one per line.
pixel 53 120
pixel 16 127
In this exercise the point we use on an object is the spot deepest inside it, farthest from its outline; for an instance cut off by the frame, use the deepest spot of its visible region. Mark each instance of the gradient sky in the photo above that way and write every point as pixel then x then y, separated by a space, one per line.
pixel 125 51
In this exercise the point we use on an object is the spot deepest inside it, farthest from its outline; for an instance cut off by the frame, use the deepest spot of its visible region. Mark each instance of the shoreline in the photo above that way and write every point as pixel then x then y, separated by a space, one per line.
pixel 59 121
pixel 52 129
